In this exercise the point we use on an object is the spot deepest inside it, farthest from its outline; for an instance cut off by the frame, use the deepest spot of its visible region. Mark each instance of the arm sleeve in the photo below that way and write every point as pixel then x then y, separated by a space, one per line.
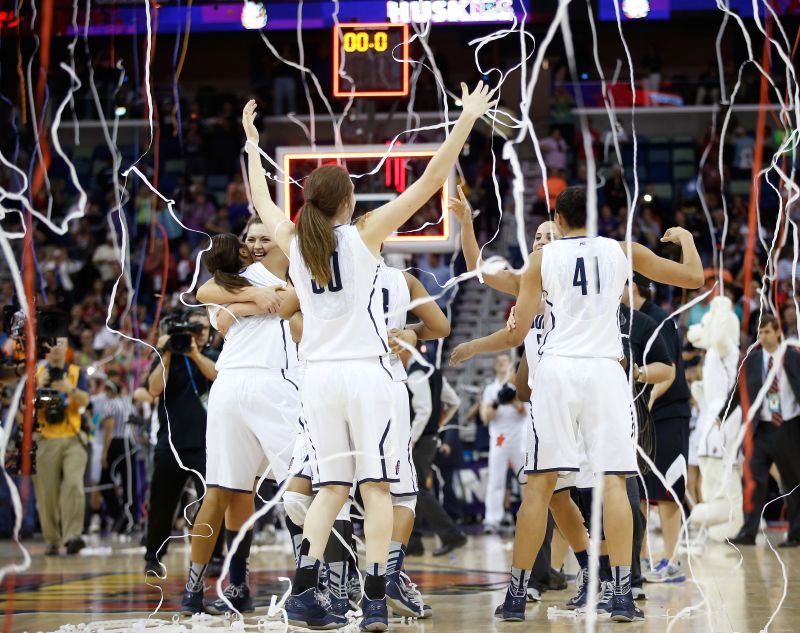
pixel 421 402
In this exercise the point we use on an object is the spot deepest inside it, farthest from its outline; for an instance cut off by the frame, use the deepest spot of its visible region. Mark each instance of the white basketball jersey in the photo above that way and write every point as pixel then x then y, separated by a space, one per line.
pixel 583 279
pixel 396 298
pixel 261 342
pixel 542 324
pixel 342 320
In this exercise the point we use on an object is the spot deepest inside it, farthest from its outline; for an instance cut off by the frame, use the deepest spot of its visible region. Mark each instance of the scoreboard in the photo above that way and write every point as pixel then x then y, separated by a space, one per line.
pixel 430 229
pixel 370 60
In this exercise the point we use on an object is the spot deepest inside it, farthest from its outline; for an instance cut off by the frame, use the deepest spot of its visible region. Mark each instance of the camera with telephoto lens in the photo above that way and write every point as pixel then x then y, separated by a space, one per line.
pixel 52 323
pixel 506 394
pixel 52 403
pixel 180 330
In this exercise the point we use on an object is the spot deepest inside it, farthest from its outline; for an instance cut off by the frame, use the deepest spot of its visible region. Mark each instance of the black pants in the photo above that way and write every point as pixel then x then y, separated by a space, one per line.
pixel 638 531
pixel 166 487
pixel 428 507
pixel 779 445
pixel 121 465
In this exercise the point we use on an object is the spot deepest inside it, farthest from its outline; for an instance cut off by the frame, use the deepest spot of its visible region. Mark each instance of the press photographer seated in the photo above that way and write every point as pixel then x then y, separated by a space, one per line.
pixel 62 392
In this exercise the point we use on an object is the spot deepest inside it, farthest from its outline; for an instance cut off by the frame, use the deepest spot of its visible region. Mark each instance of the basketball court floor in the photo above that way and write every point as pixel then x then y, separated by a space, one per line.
pixel 104 589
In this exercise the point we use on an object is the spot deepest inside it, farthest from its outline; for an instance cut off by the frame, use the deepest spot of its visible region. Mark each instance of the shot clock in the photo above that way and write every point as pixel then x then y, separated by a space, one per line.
pixel 370 60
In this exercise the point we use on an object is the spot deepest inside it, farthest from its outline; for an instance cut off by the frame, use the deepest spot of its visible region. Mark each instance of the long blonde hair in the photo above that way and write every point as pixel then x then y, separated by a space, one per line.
pixel 324 191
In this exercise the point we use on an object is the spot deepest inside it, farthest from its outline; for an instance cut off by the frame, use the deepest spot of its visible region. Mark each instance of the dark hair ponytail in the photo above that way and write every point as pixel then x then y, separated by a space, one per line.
pixel 325 189
pixel 224 262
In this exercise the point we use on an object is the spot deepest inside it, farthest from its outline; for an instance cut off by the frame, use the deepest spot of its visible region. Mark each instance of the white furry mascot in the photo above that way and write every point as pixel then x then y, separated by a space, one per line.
pixel 720 466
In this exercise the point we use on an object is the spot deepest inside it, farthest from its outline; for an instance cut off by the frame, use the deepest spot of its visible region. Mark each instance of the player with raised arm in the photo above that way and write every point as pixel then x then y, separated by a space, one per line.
pixel 583 278
pixel 252 413
pixel 347 389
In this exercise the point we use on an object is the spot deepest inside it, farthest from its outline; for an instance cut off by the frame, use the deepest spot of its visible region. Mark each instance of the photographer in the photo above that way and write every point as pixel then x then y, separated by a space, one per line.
pixel 62 394
pixel 181 386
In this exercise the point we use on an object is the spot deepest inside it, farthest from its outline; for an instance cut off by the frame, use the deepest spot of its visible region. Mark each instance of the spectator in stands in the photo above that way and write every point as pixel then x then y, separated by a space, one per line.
pixel 555 185
pixel 219 222
pixel 104 258
pixel 743 147
pixel 614 190
pixel 284 87
pixel 554 150
pixel 790 321
pixel 607 224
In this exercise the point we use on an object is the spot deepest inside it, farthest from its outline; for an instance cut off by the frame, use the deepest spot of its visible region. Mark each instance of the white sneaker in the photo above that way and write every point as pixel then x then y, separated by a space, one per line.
pixel 666 572
pixel 95 523
pixel 533 595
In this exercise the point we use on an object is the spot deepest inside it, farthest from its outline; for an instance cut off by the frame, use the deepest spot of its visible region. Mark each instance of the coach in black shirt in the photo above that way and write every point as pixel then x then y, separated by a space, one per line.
pixel 775 429
pixel 181 420
pixel 671 411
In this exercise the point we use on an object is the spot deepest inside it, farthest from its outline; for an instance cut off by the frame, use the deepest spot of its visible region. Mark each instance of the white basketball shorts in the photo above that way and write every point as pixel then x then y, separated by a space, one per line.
pixel 586 398
pixel 349 411
pixel 401 426
pixel 252 425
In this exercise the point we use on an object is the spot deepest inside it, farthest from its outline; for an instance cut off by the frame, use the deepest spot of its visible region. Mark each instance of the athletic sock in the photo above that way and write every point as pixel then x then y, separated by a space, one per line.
pixel 397 554
pixel 622 579
pixel 306 575
pixel 238 569
pixel 296 533
pixel 605 568
pixel 197 572
pixel 519 581
pixel 337 578
pixel 582 558
pixel 375 581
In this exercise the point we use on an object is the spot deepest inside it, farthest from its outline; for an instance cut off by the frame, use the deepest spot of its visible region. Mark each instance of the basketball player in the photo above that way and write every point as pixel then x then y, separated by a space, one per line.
pixel 584 278
pixel 252 415
pixel 398 290
pixel 565 511
pixel 347 389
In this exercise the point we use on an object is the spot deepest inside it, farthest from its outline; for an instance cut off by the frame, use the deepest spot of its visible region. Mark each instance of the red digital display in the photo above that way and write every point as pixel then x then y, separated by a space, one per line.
pixel 430 229
pixel 370 60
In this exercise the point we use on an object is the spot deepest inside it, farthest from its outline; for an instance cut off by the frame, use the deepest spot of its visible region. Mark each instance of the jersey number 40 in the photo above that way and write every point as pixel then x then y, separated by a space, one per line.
pixel 335 284
pixel 580 280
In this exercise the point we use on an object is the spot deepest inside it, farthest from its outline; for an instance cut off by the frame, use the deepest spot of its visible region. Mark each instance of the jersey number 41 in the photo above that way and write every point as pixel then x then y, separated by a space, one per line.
pixel 579 280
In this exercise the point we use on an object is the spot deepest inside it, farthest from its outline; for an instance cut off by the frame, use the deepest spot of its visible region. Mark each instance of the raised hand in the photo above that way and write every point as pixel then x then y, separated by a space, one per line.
pixel 675 234
pixel 248 122
pixel 461 208
pixel 461 354
pixel 477 102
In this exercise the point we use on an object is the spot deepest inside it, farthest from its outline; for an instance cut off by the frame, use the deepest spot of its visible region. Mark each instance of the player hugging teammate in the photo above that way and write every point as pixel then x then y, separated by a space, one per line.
pixel 349 407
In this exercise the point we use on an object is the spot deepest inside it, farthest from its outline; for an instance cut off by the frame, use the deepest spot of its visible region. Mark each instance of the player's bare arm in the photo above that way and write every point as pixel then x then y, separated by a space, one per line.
pixel 688 273
pixel 505 280
pixel 229 313
pixel 267 299
pixel 530 297
pixel 388 218
pixel 521 380
pixel 278 226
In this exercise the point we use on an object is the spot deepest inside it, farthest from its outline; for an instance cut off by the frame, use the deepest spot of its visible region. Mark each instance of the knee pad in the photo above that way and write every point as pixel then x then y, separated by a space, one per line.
pixel 409 502
pixel 344 513
pixel 296 506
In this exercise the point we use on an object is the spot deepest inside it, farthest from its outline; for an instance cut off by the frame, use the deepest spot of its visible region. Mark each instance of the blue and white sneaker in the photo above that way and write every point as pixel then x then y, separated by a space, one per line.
pixel 312 610
pixel 192 602
pixel 238 596
pixel 623 608
pixel 605 602
pixel 512 609
pixel 665 572
pixel 413 594
pixel 376 615
pixel 354 591
pixel 579 600
pixel 398 599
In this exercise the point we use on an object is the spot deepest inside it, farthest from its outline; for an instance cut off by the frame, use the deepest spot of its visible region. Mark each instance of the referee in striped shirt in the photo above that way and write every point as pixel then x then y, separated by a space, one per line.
pixel 118 457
